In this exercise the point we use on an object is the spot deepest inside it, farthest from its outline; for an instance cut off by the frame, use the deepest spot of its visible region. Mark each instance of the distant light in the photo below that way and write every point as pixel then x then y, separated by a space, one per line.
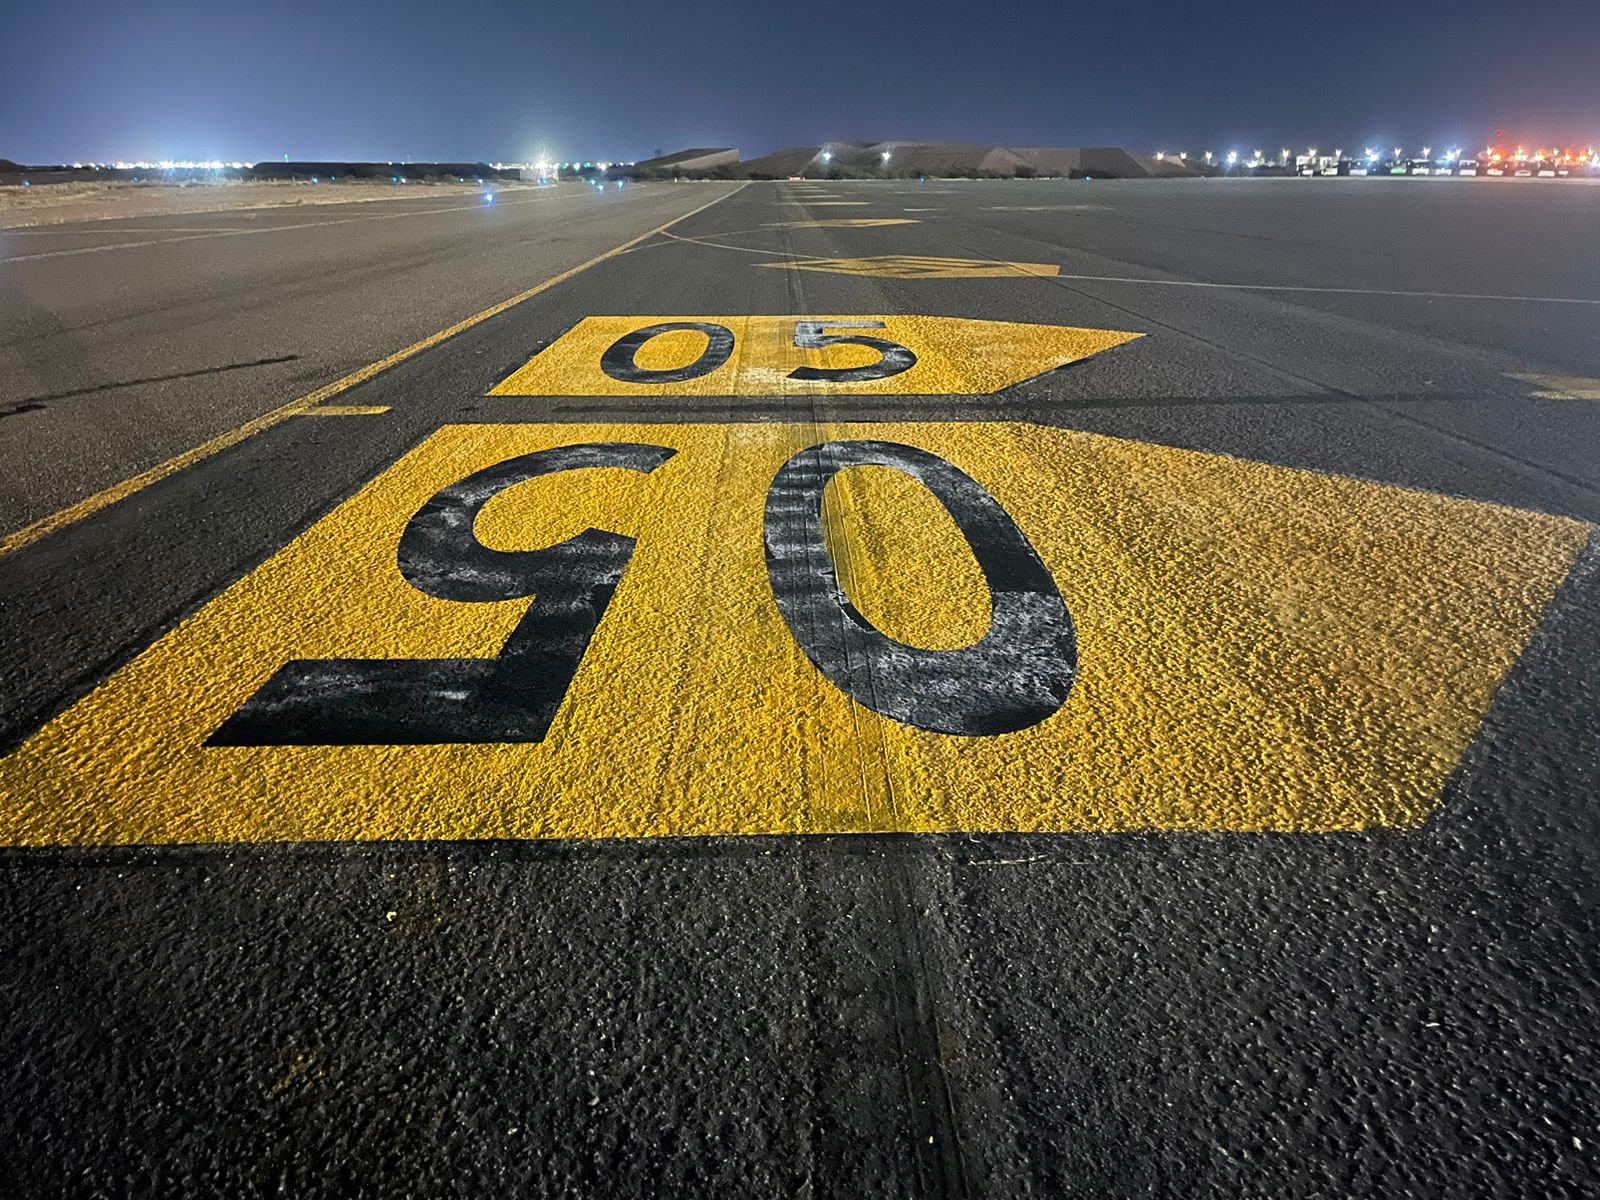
pixel 1160 154
pixel 1233 157
pixel 1372 154
pixel 25 183
pixel 314 179
pixel 488 197
pixel 885 156
pixel 1398 152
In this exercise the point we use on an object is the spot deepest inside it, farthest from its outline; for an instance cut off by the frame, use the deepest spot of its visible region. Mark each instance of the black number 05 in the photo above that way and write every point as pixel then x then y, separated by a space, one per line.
pixel 620 361
pixel 1015 676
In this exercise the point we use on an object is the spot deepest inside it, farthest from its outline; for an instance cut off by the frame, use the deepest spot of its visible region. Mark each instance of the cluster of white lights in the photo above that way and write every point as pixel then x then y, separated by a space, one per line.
pixel 165 164
pixel 1372 155
pixel 546 165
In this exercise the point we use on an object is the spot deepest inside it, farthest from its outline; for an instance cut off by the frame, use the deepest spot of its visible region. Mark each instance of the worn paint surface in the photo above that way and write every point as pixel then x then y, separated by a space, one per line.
pixel 1562 387
pixel 1259 649
pixel 954 356
pixel 920 266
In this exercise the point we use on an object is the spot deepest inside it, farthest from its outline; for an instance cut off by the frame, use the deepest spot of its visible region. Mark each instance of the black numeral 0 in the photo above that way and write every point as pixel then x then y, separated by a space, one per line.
pixel 1018 674
pixel 619 361
pixel 510 698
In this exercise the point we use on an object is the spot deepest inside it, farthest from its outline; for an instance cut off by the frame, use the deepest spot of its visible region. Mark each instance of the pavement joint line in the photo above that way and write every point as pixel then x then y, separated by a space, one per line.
pixel 118 384
pixel 741 249
pixel 1281 287
pixel 73 513
pixel 220 233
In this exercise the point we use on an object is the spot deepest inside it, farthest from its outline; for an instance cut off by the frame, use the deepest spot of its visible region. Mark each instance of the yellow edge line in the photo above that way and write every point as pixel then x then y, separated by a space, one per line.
pixel 73 513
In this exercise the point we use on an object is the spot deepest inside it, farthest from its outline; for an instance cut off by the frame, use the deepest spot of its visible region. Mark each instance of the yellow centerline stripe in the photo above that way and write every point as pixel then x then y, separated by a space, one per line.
pixel 73 513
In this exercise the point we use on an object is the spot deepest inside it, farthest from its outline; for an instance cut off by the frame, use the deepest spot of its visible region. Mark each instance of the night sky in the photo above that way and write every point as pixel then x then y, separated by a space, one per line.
pixel 496 79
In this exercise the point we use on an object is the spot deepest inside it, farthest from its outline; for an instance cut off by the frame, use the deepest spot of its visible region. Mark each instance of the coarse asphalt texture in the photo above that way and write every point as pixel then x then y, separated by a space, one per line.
pixel 1406 1008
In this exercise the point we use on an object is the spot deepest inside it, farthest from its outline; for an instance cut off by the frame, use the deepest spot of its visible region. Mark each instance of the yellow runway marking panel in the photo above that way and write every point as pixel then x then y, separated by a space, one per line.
pixel 779 356
pixel 915 266
pixel 616 631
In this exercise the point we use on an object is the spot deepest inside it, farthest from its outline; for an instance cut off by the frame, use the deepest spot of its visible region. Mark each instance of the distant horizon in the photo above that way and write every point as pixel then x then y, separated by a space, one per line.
pixel 1272 148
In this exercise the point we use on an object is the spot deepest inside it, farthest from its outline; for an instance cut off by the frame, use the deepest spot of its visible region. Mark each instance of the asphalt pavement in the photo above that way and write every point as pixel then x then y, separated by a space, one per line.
pixel 125 342
pixel 1029 688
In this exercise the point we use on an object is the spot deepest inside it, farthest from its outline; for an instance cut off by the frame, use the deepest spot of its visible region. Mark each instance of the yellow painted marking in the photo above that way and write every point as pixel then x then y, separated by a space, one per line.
pixel 914 266
pixel 843 223
pixel 1563 387
pixel 346 410
pixel 955 356
pixel 89 505
pixel 1259 649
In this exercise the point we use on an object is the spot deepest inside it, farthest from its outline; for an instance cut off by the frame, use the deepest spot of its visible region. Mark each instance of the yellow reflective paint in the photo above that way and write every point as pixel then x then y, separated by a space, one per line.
pixel 344 410
pixel 1562 387
pixel 1259 649
pixel 916 266
pixel 955 356
pixel 842 223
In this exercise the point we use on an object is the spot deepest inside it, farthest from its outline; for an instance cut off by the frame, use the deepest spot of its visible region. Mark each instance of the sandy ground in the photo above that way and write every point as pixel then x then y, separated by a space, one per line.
pixel 58 203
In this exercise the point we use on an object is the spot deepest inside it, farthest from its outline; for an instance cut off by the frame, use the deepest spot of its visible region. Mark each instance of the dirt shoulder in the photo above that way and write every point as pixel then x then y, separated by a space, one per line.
pixel 60 203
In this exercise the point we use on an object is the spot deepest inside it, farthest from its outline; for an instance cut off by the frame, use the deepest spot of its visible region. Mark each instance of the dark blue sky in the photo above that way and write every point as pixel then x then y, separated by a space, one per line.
pixel 496 79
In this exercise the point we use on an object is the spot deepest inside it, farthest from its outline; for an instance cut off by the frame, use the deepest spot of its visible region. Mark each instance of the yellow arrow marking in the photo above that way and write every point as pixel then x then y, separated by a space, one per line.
pixel 955 356
pixel 1563 387
pixel 912 266
pixel 1259 649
